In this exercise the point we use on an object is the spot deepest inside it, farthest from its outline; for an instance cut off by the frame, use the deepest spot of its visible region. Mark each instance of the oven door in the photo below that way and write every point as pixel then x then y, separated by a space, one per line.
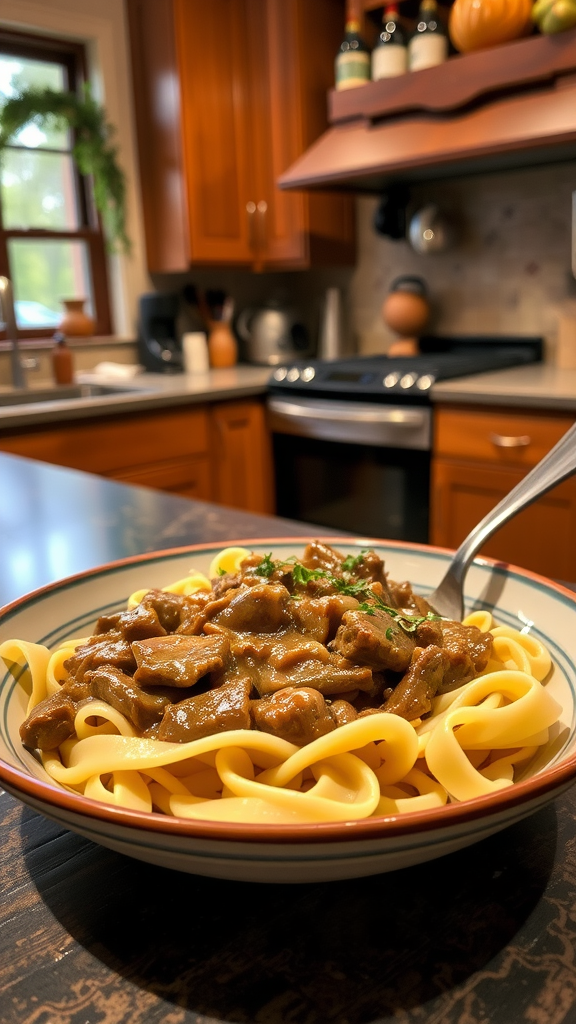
pixel 361 467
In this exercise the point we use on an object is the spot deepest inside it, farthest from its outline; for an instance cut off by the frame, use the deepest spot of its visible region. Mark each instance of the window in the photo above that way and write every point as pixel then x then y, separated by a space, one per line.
pixel 51 243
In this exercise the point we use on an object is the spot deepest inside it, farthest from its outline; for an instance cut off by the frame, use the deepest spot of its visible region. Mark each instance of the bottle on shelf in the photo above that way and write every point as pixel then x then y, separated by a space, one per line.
pixel 352 65
pixel 390 54
pixel 428 45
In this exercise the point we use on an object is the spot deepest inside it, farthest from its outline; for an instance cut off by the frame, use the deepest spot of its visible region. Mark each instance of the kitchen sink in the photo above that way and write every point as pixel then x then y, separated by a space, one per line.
pixel 32 396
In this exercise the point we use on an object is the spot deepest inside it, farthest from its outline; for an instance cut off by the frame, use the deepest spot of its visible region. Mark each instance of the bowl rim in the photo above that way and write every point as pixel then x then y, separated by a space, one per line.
pixel 552 778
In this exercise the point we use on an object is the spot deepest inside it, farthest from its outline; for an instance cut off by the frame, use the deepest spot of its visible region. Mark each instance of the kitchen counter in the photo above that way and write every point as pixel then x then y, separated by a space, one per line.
pixel 537 386
pixel 87 935
pixel 142 392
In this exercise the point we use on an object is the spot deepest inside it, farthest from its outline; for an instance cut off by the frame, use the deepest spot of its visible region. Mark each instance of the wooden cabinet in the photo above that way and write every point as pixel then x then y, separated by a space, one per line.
pixel 227 95
pixel 217 453
pixel 479 455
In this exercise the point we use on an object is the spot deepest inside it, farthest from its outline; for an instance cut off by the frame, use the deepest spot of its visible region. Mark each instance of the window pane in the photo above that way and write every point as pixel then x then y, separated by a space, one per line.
pixel 43 274
pixel 38 190
pixel 17 73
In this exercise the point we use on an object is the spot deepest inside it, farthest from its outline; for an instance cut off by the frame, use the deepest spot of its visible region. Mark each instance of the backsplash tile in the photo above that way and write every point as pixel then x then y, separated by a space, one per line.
pixel 507 272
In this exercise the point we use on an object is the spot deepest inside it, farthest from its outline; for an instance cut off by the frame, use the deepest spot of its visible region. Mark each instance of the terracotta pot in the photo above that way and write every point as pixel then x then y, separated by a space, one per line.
pixel 75 323
pixel 222 347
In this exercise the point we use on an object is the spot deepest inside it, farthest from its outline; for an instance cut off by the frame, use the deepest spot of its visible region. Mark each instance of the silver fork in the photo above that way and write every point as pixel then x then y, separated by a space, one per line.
pixel 560 462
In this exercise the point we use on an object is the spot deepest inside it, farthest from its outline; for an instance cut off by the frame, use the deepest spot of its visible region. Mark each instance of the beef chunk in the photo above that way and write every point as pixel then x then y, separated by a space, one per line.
pixel 374 640
pixel 49 723
pixel 412 697
pixel 428 632
pixel 297 714
pixel 402 596
pixel 138 623
pixel 179 660
pixel 321 556
pixel 335 675
pixel 259 609
pixel 468 650
pixel 343 712
pixel 110 649
pixel 170 608
pixel 219 710
pixel 120 691
pixel 320 617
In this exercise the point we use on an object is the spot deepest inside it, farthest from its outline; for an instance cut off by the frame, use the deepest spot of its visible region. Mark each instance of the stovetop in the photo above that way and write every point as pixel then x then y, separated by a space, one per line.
pixel 381 378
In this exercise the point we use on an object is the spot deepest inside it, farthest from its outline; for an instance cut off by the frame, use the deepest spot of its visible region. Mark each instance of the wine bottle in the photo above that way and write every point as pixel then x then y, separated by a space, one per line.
pixel 429 43
pixel 390 54
pixel 352 64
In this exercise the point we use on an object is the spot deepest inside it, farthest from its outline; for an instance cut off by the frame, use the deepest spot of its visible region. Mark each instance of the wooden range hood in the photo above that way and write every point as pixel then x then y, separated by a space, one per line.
pixel 510 106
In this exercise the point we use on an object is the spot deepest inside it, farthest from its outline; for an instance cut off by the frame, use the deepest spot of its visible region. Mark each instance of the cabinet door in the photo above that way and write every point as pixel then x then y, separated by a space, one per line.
pixel 540 538
pixel 213 47
pixel 242 458
pixel 293 44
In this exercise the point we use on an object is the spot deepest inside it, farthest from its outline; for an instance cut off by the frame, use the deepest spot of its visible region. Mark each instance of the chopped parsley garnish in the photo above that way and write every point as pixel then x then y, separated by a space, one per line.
pixel 347 586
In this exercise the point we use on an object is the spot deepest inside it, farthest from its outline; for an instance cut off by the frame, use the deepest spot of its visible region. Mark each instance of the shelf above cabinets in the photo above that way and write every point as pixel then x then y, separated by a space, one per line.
pixel 512 105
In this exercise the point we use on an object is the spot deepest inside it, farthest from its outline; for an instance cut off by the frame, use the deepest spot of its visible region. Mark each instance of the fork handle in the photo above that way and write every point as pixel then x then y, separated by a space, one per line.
pixel 556 466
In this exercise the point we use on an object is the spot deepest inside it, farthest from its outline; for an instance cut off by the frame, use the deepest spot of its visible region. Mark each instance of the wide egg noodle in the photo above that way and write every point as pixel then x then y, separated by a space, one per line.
pixel 17 654
pixel 531 710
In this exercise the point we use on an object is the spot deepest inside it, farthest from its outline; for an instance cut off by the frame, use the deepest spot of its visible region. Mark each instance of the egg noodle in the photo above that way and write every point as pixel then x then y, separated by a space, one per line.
pixel 380 764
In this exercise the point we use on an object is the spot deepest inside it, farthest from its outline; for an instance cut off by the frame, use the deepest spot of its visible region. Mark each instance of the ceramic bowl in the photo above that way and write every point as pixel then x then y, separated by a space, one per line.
pixel 304 853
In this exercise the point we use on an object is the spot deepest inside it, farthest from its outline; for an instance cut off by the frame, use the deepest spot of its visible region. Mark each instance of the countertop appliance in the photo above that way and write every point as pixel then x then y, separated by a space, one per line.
pixel 353 437
pixel 272 334
pixel 159 348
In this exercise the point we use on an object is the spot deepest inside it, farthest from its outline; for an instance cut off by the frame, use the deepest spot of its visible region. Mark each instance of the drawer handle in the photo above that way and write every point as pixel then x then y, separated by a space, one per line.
pixel 504 441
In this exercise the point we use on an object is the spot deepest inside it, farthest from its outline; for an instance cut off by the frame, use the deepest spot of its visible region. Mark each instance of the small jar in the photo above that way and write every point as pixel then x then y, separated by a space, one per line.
pixel 62 361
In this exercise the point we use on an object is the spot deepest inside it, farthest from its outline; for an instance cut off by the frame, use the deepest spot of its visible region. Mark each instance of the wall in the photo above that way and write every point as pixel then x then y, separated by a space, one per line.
pixel 508 272
pixel 102 27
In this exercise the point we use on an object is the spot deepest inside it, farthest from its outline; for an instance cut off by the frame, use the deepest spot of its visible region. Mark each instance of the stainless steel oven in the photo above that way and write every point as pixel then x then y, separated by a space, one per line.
pixel 353 438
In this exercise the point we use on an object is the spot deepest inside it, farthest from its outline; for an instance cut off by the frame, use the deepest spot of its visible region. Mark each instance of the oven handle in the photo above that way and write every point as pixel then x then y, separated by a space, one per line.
pixel 353 422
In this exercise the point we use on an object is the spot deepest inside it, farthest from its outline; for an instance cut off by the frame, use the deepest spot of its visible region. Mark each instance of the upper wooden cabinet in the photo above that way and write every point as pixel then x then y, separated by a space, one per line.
pixel 228 93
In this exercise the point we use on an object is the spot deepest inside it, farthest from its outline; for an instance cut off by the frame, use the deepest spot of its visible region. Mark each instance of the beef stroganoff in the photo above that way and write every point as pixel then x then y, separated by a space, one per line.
pixel 306 690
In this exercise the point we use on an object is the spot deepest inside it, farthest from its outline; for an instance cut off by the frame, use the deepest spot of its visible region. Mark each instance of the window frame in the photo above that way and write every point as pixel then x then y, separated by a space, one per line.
pixel 72 57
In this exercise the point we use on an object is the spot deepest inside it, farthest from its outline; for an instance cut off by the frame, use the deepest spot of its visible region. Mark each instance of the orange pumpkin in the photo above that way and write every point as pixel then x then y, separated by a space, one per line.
pixel 477 24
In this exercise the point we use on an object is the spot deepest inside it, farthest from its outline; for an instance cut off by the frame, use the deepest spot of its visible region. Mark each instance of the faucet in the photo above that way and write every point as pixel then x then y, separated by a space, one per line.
pixel 8 317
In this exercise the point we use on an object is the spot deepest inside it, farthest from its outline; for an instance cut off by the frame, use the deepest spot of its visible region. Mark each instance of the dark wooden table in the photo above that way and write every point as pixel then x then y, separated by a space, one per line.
pixel 87 936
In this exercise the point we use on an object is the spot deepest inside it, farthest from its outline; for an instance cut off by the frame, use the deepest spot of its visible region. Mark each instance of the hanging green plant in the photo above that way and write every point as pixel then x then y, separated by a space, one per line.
pixel 94 150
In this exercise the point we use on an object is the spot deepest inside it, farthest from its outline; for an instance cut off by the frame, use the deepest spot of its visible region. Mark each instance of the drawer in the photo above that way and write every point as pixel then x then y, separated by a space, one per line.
pixel 505 438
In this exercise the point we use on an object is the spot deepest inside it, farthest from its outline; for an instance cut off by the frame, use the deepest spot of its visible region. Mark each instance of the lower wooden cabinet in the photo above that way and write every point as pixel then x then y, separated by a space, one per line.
pixel 479 456
pixel 217 452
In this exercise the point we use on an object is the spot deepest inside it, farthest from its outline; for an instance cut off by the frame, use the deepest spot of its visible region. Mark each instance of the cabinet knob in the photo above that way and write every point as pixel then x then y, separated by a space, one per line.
pixel 504 441
pixel 250 211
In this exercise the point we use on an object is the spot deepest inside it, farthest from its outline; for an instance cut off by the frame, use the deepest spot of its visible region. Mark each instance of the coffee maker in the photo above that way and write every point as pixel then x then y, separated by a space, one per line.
pixel 159 348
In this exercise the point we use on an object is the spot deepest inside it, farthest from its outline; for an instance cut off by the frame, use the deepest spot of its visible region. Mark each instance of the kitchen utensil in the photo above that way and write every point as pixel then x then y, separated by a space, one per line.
pixel 301 853
pixel 273 334
pixel 429 230
pixel 331 341
pixel 556 466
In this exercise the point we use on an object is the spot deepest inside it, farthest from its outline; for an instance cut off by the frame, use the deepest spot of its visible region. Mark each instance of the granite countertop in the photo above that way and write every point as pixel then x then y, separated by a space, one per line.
pixel 132 394
pixel 538 386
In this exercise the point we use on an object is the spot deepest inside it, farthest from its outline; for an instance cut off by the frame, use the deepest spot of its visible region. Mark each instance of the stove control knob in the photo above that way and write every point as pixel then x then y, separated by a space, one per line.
pixel 408 380
pixel 280 373
pixel 391 379
pixel 425 382
pixel 293 374
pixel 308 374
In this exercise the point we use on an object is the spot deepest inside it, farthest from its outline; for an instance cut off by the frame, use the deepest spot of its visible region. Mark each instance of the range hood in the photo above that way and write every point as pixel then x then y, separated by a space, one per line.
pixel 511 106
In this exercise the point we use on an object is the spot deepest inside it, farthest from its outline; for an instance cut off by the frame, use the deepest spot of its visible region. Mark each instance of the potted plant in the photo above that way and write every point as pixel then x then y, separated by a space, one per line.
pixel 94 150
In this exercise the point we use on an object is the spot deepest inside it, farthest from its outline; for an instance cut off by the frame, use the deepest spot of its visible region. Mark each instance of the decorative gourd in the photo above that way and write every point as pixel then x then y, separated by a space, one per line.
pixel 478 24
